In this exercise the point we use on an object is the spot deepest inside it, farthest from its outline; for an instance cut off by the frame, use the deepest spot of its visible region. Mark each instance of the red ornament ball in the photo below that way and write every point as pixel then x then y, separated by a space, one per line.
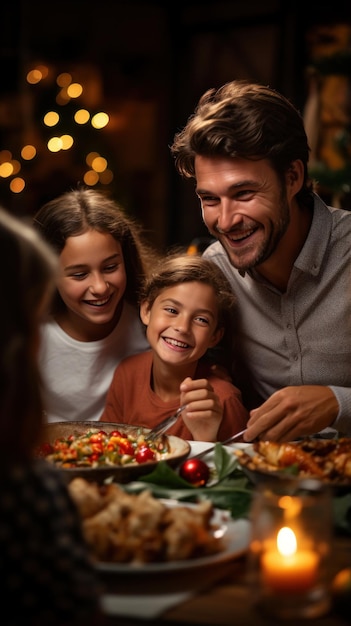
pixel 195 471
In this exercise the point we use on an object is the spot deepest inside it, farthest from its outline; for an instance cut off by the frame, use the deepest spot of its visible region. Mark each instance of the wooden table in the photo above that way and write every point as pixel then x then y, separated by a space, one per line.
pixel 222 595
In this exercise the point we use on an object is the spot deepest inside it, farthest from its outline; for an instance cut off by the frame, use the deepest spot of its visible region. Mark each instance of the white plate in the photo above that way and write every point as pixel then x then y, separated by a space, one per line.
pixel 236 536
pixel 200 446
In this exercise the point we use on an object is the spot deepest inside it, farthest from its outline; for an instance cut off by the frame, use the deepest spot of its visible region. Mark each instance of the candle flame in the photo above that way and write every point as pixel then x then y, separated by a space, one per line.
pixel 286 541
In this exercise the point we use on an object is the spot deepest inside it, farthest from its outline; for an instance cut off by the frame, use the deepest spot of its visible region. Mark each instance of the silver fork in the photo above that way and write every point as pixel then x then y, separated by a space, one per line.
pixel 223 443
pixel 164 425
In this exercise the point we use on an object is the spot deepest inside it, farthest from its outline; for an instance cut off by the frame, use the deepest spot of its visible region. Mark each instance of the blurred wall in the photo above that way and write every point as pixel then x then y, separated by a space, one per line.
pixel 145 64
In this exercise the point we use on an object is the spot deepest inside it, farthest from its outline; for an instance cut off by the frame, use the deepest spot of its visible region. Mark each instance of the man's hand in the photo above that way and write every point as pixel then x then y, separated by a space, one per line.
pixel 293 412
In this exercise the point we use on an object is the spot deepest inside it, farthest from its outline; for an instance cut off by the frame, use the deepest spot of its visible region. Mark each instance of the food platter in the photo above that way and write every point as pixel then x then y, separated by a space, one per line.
pixel 178 451
pixel 235 535
pixel 326 460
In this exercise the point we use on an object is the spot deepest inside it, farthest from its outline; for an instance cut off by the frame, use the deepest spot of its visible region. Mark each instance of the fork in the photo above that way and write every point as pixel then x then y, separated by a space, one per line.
pixel 223 443
pixel 164 425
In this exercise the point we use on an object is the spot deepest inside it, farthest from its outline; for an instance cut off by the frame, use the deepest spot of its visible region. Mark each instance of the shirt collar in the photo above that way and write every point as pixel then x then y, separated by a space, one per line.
pixel 311 256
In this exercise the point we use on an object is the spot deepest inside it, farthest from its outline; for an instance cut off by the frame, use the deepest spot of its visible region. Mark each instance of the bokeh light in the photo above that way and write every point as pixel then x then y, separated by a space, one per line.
pixel 99 120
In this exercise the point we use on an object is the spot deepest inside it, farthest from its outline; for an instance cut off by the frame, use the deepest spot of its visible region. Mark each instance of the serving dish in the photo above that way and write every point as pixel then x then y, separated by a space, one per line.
pixel 178 451
pixel 235 535
pixel 327 460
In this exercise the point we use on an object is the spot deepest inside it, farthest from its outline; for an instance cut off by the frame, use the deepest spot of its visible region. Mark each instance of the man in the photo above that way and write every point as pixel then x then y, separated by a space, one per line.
pixel 286 254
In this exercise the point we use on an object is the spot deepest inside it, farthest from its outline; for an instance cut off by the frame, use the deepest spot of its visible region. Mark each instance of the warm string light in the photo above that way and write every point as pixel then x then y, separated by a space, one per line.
pixel 98 172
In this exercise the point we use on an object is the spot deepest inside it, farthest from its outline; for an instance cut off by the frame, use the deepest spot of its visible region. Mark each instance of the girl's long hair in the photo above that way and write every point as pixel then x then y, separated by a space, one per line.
pixel 77 211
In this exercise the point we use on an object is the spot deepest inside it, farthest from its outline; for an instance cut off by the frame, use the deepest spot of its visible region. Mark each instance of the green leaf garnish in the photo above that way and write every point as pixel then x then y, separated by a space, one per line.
pixel 232 489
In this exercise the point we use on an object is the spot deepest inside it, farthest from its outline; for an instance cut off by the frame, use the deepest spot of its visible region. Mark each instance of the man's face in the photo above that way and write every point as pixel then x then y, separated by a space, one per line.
pixel 244 206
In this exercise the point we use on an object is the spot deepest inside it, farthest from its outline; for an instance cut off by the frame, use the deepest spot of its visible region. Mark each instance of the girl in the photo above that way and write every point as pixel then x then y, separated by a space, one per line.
pixel 186 306
pixel 45 571
pixel 94 321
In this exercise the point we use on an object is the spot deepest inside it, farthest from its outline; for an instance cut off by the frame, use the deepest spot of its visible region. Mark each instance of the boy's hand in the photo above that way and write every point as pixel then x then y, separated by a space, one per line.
pixel 203 413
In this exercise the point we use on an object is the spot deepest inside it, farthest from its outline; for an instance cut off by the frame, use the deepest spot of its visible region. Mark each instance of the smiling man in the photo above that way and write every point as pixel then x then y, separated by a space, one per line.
pixel 286 254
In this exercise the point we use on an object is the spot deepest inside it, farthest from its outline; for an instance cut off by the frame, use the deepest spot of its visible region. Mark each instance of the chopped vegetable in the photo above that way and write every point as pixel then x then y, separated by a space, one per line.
pixel 96 448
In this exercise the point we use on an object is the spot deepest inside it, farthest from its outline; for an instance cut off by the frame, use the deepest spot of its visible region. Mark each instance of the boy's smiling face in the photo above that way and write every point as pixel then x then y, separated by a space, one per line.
pixel 182 322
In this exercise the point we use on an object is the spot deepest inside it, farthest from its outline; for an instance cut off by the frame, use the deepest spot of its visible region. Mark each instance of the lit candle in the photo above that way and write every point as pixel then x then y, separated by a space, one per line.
pixel 288 569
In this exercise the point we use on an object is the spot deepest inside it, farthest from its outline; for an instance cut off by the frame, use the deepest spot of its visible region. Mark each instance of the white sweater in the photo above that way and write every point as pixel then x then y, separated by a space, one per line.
pixel 77 374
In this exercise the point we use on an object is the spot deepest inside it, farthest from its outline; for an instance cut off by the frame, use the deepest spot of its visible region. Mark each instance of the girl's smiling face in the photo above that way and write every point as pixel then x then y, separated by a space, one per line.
pixel 182 322
pixel 92 281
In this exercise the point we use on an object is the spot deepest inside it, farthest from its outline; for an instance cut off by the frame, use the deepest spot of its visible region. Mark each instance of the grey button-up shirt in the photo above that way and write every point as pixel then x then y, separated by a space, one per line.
pixel 303 336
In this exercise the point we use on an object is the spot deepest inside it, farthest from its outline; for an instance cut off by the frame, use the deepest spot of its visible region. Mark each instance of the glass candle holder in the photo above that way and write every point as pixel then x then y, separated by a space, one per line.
pixel 290 547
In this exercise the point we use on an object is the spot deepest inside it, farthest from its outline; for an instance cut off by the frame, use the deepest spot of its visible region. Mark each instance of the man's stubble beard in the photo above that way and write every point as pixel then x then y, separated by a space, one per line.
pixel 270 244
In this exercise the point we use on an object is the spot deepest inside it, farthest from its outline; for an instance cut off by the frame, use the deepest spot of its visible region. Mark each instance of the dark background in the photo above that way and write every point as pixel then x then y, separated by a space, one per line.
pixel 146 64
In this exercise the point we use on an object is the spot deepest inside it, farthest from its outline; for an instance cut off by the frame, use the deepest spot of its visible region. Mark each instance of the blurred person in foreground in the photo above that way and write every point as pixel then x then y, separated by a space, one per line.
pixel 286 253
pixel 45 568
